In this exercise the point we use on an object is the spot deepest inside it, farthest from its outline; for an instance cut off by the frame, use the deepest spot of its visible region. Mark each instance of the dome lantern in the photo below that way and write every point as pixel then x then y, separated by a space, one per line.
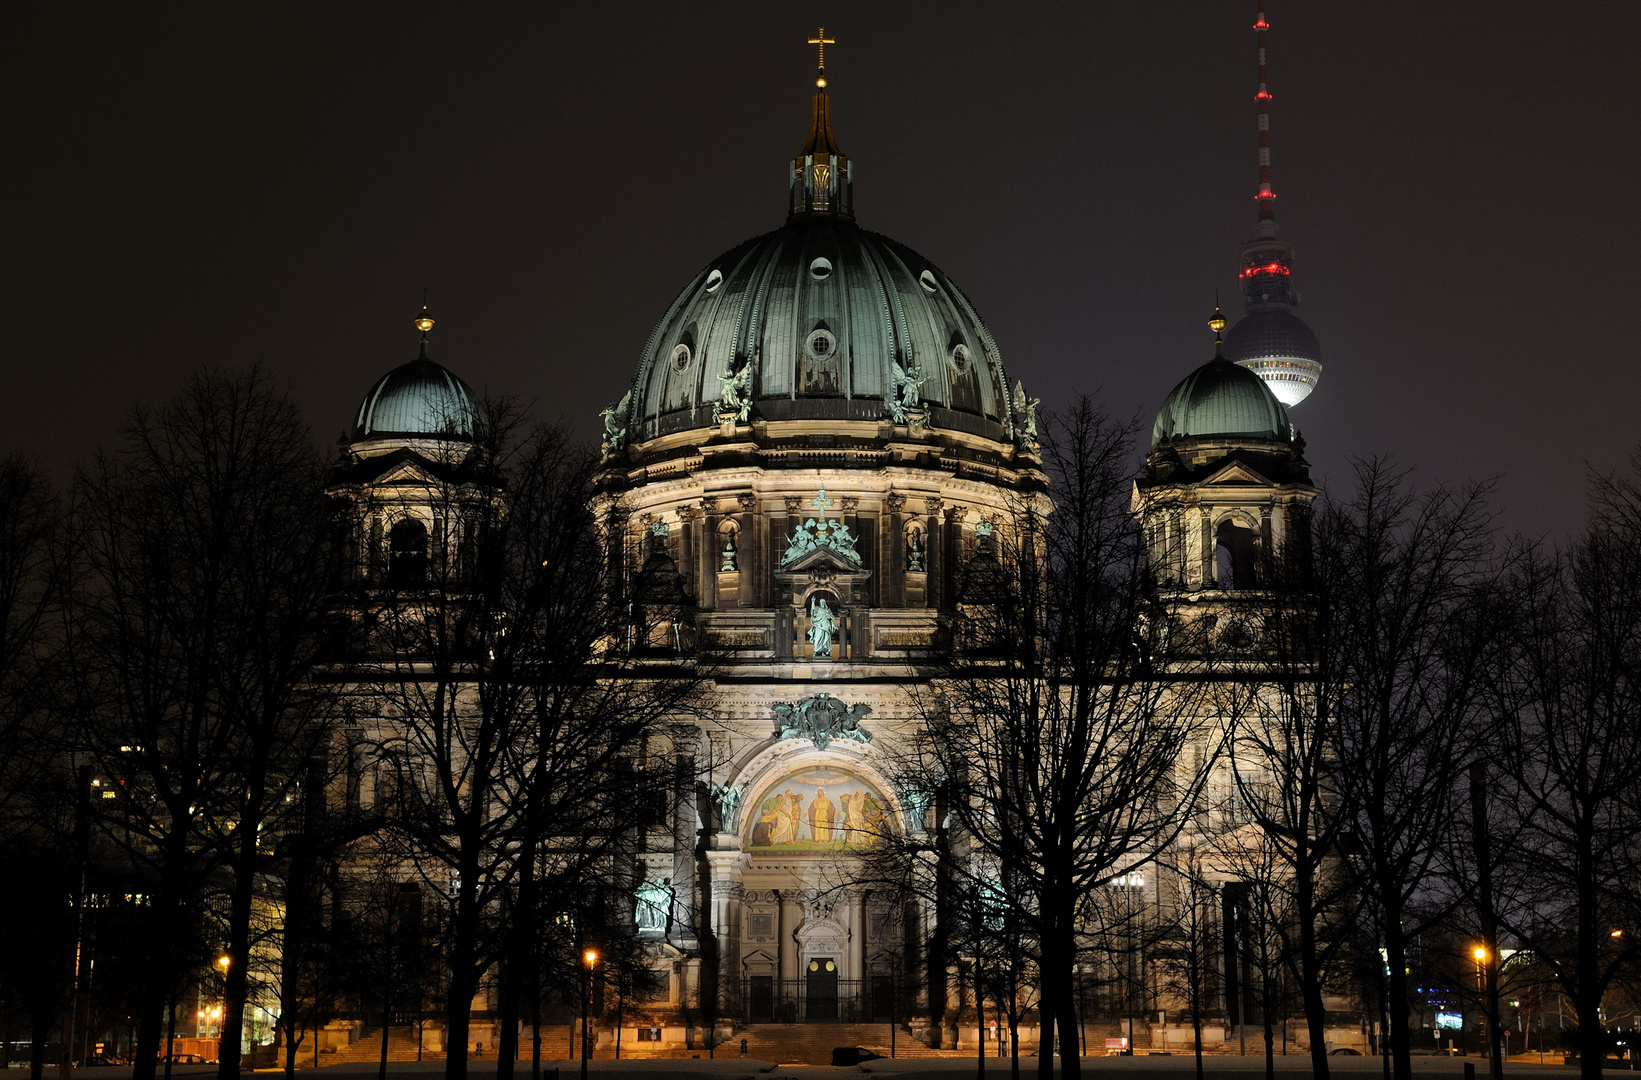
pixel 822 184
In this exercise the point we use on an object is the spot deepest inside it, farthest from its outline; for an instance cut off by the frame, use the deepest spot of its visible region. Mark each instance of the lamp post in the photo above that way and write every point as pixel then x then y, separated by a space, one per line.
pixel 1480 953
pixel 589 961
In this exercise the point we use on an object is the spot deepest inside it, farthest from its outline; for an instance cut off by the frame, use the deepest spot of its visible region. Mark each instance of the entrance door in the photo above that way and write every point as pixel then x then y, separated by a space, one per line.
pixel 822 989
pixel 761 999
pixel 883 997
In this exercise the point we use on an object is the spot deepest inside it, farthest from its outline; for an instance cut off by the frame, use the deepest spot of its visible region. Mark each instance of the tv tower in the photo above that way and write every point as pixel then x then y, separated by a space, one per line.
pixel 1270 339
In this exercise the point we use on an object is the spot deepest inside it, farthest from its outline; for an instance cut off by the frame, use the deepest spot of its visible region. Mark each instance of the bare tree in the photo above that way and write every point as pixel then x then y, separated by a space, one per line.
pixel 196 615
pixel 1566 696
pixel 1408 580
pixel 521 677
pixel 1058 736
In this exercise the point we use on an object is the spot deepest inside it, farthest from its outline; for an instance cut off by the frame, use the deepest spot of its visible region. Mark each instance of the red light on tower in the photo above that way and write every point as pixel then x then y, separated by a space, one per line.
pixel 1262 24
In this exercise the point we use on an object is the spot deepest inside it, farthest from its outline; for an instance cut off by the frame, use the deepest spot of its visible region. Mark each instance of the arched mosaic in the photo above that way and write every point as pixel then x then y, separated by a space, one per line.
pixel 818 809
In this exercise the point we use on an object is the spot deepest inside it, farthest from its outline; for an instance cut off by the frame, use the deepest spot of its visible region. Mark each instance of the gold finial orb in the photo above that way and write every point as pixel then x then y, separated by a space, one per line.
pixel 1217 324
pixel 424 321
pixel 821 82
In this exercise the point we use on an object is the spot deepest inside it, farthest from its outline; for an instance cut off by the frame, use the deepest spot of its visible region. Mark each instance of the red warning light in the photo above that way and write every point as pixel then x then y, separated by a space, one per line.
pixel 1262 24
pixel 1269 268
pixel 1263 95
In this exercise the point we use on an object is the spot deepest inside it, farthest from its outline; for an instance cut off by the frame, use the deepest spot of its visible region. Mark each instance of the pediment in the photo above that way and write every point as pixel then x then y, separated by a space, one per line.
pixel 405 473
pixel 1236 474
pixel 823 558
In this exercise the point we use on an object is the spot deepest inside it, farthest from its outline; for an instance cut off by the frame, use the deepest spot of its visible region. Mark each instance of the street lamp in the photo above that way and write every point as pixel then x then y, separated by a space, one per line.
pixel 1480 953
pixel 590 960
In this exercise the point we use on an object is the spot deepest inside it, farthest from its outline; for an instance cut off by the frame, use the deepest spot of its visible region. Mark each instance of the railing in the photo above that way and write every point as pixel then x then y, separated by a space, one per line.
pixel 845 1001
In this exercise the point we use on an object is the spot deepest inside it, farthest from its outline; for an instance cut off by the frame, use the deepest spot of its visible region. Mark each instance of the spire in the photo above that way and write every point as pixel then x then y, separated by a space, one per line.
pixel 1217 324
pixel 1262 100
pixel 1267 263
pixel 1271 340
pixel 821 181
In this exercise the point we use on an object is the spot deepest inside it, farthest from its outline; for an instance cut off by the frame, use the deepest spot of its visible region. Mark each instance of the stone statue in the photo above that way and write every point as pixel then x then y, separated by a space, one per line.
pixel 729 555
pixel 735 392
pixel 728 798
pixel 800 543
pixel 822 625
pixel 825 532
pixel 654 905
pixel 615 433
pixel 914 552
pixel 822 718
pixel 904 398
pixel 1027 408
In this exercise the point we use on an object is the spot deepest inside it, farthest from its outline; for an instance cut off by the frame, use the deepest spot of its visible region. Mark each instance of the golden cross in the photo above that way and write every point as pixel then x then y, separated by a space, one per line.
pixel 821 41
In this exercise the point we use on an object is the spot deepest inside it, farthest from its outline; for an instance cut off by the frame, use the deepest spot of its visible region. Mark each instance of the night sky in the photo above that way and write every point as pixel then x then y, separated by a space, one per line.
pixel 191 184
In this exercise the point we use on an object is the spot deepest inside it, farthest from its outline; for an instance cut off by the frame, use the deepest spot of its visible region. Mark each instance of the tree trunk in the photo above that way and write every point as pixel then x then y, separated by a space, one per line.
pixel 1310 973
pixel 1401 1036
pixel 236 978
pixel 464 968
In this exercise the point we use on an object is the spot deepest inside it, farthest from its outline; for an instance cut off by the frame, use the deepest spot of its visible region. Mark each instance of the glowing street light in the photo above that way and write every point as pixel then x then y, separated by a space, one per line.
pixel 590 960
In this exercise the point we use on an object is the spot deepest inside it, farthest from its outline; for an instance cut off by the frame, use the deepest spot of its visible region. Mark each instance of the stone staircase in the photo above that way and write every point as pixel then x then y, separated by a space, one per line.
pixel 367 1049
pixel 812 1044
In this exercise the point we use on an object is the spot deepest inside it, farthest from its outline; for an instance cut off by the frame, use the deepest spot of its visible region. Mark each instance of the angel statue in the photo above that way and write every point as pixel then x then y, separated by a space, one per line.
pixel 614 433
pixel 1027 408
pixel 908 382
pixel 822 625
pixel 734 395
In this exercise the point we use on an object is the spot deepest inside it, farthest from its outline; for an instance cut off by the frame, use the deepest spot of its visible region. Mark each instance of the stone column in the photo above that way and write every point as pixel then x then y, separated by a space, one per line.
pixel 952 553
pixel 706 593
pixel 934 554
pixel 725 870
pixel 752 549
pixel 891 568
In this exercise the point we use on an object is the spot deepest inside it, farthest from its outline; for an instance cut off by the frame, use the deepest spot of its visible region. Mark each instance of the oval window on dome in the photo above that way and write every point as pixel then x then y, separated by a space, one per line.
pixel 820 269
pixel 961 359
pixel 821 345
pixel 714 279
pixel 681 357
pixel 926 279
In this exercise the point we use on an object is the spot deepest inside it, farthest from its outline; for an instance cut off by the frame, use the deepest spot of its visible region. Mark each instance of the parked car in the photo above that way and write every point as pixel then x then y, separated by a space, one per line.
pixel 852 1055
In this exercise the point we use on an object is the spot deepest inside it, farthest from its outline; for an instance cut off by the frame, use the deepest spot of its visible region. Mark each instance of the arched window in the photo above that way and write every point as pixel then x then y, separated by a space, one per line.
pixel 407 554
pixel 1234 556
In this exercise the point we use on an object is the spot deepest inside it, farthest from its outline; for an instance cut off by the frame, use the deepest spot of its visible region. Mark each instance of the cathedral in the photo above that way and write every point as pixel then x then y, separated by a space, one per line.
pixel 818 436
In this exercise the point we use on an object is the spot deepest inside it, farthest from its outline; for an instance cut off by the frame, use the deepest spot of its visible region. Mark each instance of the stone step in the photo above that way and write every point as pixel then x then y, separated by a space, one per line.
pixel 812 1044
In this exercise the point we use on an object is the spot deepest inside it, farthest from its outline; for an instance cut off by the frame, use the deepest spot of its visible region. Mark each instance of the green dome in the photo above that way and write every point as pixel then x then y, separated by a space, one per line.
pixel 418 400
pixel 1222 399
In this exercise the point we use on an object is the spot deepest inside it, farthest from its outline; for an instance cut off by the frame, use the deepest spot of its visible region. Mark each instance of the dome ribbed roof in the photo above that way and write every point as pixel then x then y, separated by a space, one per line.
pixel 825 313
pixel 1222 399
pixel 421 399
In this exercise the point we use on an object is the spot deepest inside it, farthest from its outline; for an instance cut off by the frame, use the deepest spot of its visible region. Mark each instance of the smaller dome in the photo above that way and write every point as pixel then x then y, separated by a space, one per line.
pixel 1278 346
pixel 418 400
pixel 1222 399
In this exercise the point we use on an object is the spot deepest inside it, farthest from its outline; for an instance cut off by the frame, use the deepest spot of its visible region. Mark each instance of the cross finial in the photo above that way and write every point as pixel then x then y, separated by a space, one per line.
pixel 821 41
pixel 822 503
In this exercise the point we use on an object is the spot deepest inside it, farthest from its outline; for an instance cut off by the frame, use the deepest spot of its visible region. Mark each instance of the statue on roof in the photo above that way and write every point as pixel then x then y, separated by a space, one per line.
pixel 735 392
pixel 615 430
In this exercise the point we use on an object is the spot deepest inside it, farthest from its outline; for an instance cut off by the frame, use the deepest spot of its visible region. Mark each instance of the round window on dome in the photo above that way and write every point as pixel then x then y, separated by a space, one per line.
pixel 821 345
pixel 681 357
pixel 961 359
pixel 714 279
pixel 926 279
pixel 820 269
